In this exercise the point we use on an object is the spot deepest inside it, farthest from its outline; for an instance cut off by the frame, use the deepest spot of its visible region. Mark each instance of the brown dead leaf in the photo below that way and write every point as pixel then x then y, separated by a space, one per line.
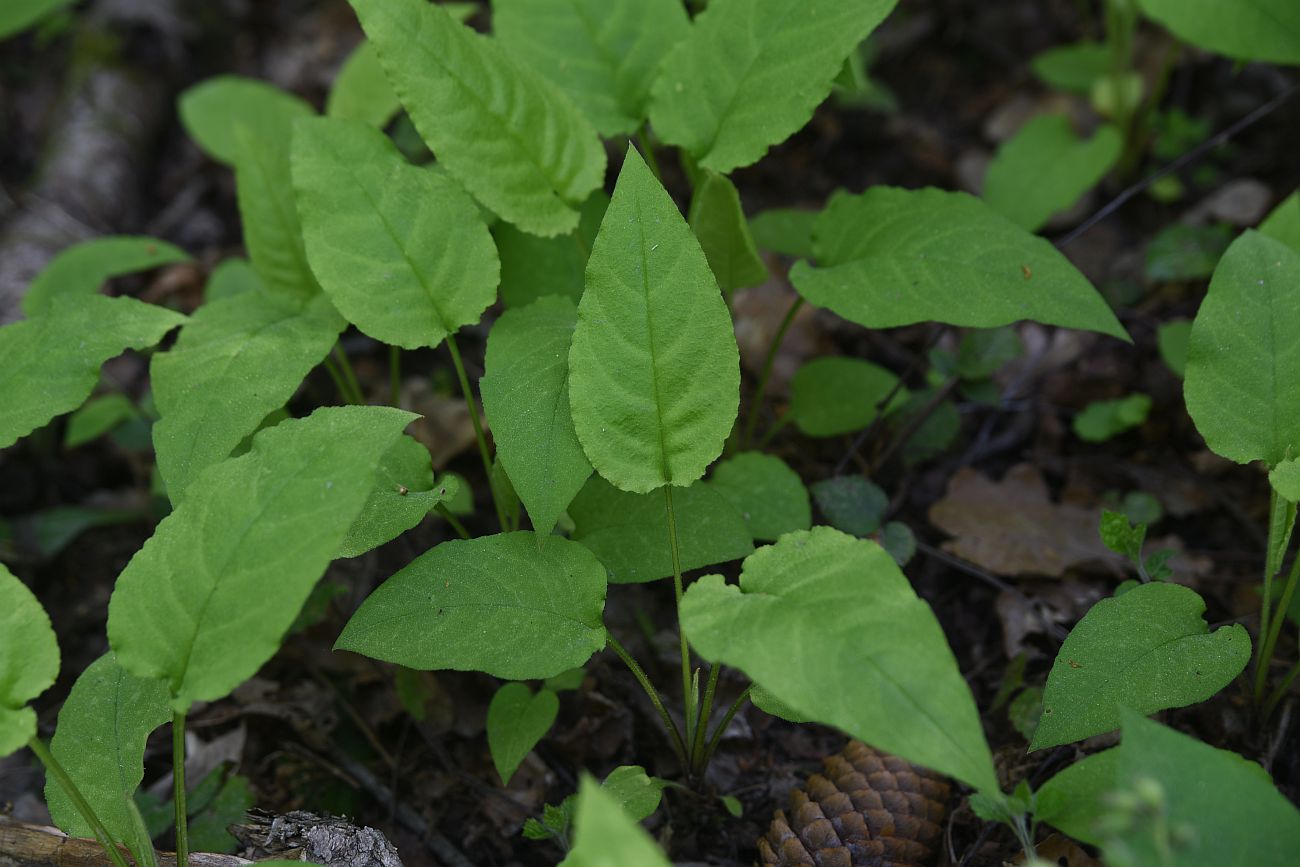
pixel 1013 527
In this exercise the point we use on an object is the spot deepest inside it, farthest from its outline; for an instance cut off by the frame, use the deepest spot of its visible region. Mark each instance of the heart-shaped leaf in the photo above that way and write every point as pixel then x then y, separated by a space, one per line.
pixel 516 720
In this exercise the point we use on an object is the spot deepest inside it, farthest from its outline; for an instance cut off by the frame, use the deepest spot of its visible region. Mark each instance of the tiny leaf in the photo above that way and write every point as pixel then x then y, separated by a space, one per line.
pixel 833 396
pixel 605 835
pixel 636 792
pixel 1072 800
pixel 851 504
pixel 769 495
pixel 1103 419
pixel 516 720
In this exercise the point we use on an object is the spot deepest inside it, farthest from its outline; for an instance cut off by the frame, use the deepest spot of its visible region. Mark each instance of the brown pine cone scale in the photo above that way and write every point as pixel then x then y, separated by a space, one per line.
pixel 868 809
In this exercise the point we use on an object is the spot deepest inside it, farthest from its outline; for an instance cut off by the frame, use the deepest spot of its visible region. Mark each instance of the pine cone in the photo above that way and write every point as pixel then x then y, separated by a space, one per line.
pixel 870 809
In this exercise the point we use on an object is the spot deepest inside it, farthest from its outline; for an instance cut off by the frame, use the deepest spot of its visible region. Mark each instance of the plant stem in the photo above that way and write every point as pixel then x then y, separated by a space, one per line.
pixel 702 724
pixel 783 420
pixel 648 152
pixel 395 375
pixel 56 770
pixel 679 746
pixel 687 701
pixel 332 369
pixel 1278 535
pixel 349 376
pixel 456 525
pixel 1280 691
pixel 178 789
pixel 478 424
pixel 1275 628
pixel 722 726
pixel 765 376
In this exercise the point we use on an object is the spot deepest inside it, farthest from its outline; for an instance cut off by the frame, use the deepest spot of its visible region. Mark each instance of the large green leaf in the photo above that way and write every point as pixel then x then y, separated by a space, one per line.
pixel 82 268
pixel 516 720
pixel 29 660
pixel 719 222
pixel 828 626
pixel 207 599
pixel 401 250
pixel 1216 808
pixel 212 110
pixel 1148 649
pixel 533 267
pixel 606 836
pixel 603 53
pixel 272 233
pixel 100 743
pixel 501 604
pixel 237 360
pixel 403 493
pixel 833 396
pixel 50 364
pixel 893 257
pixel 629 532
pixel 1267 30
pixel 770 496
pixel 751 72
pixel 526 398
pixel 1045 167
pixel 655 373
pixel 1242 382
pixel 502 130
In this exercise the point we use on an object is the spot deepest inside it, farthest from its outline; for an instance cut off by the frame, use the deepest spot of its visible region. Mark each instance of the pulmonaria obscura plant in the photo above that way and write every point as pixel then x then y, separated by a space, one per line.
pixel 612 385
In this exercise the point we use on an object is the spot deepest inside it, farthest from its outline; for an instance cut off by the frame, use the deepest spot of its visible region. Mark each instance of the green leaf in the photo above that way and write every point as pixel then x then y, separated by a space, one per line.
pixel 1285 479
pixel 208 829
pixel 500 604
pixel 272 233
pixel 1217 808
pixel 606 836
pixel 1267 30
pixel 629 532
pixel 51 530
pixel 533 267
pixel 403 493
pixel 1183 252
pixel 361 92
pixel 1046 167
pixel 212 110
pixel 1103 419
pixel 1283 224
pixel 1172 339
pixel 654 368
pixel 49 364
pixel 83 268
pixel 719 223
pixel 769 495
pixel 233 276
pixel 833 396
pixel 851 504
pixel 603 54
pixel 636 792
pixel 96 418
pixel 788 231
pixel 1148 650
pixel 1242 383
pixel 516 721
pixel 29 660
pixel 892 257
pixel 401 250
pixel 526 398
pixel 236 361
pixel 750 74
pixel 1122 537
pixel 1072 800
pixel 566 680
pixel 207 599
pixel 100 742
pixel 1073 68
pixel 502 130
pixel 982 352
pixel 18 15
pixel 828 625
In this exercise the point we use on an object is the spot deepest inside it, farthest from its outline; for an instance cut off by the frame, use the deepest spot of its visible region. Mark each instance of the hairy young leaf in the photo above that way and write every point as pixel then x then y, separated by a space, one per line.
pixel 533 267
pixel 361 91
pixel 1046 167
pixel 401 250
pixel 751 72
pixel 655 372
pixel 49 364
pixel 212 110
pixel 1072 800
pixel 892 257
pixel 100 743
pixel 402 495
pixel 207 599
pixel 603 53
pixel 719 222
pixel 1242 382
pixel 1267 30
pixel 1221 809
pixel 770 496
pixel 237 360
pixel 29 660
pixel 833 396
pixel 526 399
pixel 502 130
pixel 516 720
pixel 605 835
pixel 83 268
pixel 629 532
pixel 272 233
pixel 501 604
pixel 829 626
pixel 1148 650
